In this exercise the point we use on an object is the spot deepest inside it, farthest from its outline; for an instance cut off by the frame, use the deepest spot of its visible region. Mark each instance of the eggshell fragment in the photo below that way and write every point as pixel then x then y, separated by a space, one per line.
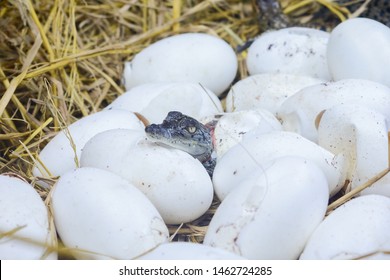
pixel 273 213
pixel 63 152
pixel 24 222
pixel 190 57
pixel 361 136
pixel 155 100
pixel 253 153
pixel 100 215
pixel 231 128
pixel 359 48
pixel 177 184
pixel 358 229
pixel 188 251
pixel 299 112
pixel 266 91
pixel 293 50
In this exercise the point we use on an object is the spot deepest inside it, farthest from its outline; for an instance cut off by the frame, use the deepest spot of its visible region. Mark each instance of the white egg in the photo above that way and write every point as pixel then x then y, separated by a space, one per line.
pixel 273 213
pixel 253 153
pixel 24 222
pixel 299 112
pixel 360 48
pixel 191 57
pixel 100 215
pixel 177 184
pixel 63 152
pixel 232 127
pixel 358 229
pixel 188 251
pixel 361 136
pixel 155 100
pixel 266 91
pixel 293 50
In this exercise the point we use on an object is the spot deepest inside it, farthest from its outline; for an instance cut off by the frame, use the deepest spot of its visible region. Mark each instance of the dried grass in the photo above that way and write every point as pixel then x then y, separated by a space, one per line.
pixel 62 60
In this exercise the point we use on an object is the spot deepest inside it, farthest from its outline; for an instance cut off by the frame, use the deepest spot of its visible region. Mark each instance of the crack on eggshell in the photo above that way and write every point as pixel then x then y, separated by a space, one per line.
pixel 157 225
pixel 345 255
pixel 318 118
pixel 229 242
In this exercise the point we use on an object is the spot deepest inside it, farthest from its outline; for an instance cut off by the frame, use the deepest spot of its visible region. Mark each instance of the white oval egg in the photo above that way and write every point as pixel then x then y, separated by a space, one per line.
pixel 191 57
pixel 232 127
pixel 109 145
pixel 293 50
pixel 188 251
pixel 155 100
pixel 24 222
pixel 358 229
pixel 100 215
pixel 359 48
pixel 273 213
pixel 299 112
pixel 177 184
pixel 63 152
pixel 266 91
pixel 253 153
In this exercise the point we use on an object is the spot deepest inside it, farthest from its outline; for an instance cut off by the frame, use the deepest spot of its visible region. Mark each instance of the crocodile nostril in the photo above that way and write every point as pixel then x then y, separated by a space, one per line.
pixel 151 128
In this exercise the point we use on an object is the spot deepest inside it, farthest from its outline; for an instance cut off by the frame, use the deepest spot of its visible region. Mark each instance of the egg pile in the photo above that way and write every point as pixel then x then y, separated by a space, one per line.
pixel 310 120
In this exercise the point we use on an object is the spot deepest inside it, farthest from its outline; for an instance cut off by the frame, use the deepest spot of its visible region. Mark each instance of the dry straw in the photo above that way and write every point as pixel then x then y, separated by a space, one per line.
pixel 61 60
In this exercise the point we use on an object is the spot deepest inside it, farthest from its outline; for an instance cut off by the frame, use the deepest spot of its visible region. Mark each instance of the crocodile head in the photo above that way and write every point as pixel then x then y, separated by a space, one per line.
pixel 183 132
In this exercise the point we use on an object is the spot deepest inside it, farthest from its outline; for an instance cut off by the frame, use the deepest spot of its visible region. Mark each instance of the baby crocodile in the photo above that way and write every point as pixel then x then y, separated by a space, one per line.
pixel 187 134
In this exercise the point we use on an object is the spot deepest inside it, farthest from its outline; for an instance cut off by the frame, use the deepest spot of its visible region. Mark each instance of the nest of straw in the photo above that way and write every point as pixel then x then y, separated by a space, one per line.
pixel 63 60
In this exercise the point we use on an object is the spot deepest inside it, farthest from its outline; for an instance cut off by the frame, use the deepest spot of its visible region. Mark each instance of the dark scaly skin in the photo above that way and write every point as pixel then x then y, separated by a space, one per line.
pixel 187 134
pixel 272 17
pixel 378 10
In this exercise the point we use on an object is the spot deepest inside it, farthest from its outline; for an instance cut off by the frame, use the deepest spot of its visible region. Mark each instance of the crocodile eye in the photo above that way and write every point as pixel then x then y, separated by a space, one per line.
pixel 191 129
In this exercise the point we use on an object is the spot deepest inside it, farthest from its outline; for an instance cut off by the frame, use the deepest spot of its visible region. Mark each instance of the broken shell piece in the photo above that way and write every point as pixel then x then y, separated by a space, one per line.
pixel 273 213
pixel 361 136
pixel 266 91
pixel 358 229
pixel 298 113
pixel 256 150
pixel 231 128
pixel 153 101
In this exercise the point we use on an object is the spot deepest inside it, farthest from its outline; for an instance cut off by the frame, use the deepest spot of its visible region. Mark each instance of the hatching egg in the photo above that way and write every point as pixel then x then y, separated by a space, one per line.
pixel 155 100
pixel 231 128
pixel 100 215
pixel 190 57
pixel 360 48
pixel 293 50
pixel 25 229
pixel 176 183
pixel 272 214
